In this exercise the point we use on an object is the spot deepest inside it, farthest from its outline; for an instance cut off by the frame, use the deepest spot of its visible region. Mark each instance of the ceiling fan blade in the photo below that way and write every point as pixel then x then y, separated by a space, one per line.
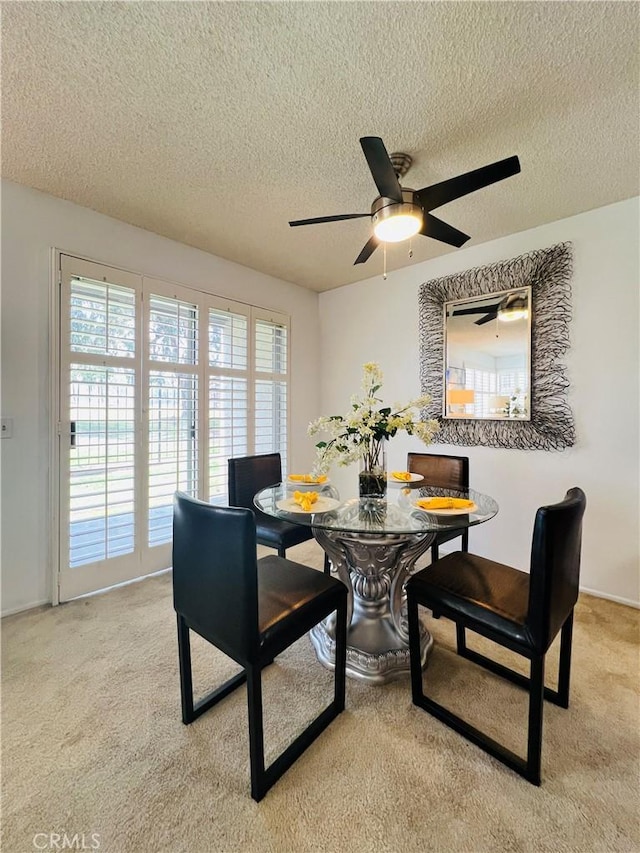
pixel 438 194
pixel 484 310
pixel 337 218
pixel 369 248
pixel 439 230
pixel 381 167
pixel 487 319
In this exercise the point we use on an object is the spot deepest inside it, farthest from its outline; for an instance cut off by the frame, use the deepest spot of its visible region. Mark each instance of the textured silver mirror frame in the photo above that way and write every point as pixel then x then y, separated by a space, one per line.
pixel 548 271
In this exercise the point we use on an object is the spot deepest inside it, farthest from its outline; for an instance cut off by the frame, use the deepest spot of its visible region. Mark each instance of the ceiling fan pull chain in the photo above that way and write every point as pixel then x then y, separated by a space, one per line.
pixel 384 261
pixel 410 248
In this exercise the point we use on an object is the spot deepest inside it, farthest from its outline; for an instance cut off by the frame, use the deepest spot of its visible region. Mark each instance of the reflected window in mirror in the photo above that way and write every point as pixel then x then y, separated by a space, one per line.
pixel 487 363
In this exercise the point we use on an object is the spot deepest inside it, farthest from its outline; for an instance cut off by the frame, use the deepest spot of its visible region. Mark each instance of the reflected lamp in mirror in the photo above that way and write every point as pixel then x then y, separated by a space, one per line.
pixel 458 399
pixel 487 349
pixel 499 405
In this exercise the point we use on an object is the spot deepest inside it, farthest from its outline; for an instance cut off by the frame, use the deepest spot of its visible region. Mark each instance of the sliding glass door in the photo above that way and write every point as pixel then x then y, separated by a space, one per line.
pixel 159 385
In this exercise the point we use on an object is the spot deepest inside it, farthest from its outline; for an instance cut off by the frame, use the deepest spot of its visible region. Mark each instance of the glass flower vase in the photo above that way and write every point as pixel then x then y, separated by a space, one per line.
pixel 372 478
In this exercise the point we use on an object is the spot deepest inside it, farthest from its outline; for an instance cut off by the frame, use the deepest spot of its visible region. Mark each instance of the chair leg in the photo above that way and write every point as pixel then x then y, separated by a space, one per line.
pixel 191 711
pixel 465 541
pixel 536 705
pixel 529 768
pixel 186 682
pixel 564 669
pixel 559 697
pixel 434 553
pixel 256 733
pixel 414 650
pixel 263 778
pixel 282 551
pixel 327 564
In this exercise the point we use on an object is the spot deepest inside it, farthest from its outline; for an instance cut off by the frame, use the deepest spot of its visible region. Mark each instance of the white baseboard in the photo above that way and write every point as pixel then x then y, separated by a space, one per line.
pixel 122 583
pixel 595 592
pixel 23 607
pixel 617 598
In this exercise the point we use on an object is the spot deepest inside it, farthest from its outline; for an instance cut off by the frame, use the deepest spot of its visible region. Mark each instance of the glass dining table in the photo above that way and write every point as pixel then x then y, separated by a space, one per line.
pixel 373 545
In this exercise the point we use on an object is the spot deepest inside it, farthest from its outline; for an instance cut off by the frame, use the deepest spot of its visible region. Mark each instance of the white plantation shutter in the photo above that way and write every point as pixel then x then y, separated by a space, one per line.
pixel 102 318
pixel 510 380
pixel 271 403
pixel 102 457
pixel 228 381
pixel 159 386
pixel 97 423
pixel 173 447
pixel 101 332
pixel 483 382
pixel 173 434
pixel 488 383
pixel 228 339
pixel 271 346
pixel 173 330
pixel 271 416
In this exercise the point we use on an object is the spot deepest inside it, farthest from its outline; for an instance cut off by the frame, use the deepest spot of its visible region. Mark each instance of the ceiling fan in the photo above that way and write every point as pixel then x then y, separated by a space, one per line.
pixel 398 212
pixel 512 307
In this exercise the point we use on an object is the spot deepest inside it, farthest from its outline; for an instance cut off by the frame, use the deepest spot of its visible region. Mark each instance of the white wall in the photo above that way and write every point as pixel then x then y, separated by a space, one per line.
pixel 376 320
pixel 33 223
pixel 371 320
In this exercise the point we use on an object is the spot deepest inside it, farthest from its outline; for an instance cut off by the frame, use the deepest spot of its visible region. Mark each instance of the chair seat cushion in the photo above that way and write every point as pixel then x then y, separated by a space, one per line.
pixel 493 595
pixel 276 532
pixel 285 589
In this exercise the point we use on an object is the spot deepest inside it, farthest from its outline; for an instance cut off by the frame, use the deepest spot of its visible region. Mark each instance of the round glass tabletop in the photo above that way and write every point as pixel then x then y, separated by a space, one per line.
pixel 410 509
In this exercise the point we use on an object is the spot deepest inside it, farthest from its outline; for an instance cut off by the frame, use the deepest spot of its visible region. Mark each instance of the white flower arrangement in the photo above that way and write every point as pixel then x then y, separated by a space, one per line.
pixel 358 435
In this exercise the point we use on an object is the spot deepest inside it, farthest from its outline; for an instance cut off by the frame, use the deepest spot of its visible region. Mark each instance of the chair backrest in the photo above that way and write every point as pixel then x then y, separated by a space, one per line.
pixel 444 472
pixel 555 566
pixel 250 474
pixel 215 583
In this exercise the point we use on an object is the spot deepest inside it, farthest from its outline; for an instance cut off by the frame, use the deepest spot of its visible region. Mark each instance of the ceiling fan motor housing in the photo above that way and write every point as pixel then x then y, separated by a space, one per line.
pixel 401 163
pixel 385 208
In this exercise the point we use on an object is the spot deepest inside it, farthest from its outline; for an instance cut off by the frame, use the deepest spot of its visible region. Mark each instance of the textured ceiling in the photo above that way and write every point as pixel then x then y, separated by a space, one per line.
pixel 216 123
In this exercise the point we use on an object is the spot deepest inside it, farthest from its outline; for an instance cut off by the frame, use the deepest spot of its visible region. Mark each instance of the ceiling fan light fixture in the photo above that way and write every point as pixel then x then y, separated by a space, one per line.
pixel 396 221
pixel 398 227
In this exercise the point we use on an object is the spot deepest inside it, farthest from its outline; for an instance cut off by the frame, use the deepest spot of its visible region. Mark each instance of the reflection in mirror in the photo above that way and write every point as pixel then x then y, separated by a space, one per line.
pixel 487 346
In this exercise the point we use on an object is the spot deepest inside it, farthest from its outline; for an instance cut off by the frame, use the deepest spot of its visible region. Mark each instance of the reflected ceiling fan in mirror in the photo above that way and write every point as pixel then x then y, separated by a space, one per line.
pixel 399 212
pixel 513 307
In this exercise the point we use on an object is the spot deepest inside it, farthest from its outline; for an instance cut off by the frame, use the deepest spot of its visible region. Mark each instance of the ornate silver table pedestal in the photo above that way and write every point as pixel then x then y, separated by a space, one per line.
pixel 374 567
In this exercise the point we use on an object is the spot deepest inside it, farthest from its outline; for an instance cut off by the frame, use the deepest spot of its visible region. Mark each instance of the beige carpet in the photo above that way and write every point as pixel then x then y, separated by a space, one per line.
pixel 92 742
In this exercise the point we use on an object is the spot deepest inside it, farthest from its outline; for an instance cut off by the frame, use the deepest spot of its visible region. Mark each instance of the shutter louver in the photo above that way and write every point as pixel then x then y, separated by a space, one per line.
pixel 173 410
pixel 271 388
pixel 101 451
pixel 228 396
pixel 173 447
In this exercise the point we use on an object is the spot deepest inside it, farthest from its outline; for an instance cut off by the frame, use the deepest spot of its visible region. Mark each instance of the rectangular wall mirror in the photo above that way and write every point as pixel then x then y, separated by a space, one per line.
pixel 487 356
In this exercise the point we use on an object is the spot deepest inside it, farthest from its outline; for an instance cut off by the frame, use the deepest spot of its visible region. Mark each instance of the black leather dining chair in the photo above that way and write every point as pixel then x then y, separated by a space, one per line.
pixel 521 611
pixel 251 610
pixel 443 472
pixel 249 475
